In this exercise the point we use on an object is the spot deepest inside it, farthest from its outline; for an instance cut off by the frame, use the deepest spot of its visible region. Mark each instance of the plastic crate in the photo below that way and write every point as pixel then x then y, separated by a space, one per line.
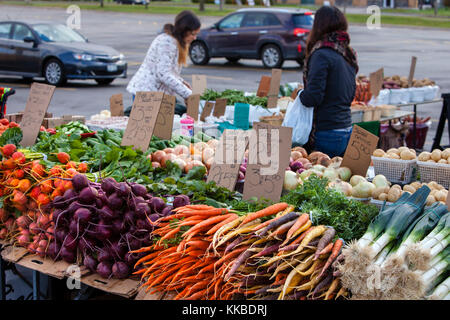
pixel 421 135
pixel 437 172
pixel 396 171
pixel 357 116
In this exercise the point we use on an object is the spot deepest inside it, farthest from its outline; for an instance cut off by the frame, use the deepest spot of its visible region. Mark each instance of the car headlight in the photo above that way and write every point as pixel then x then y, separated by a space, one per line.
pixel 121 56
pixel 84 57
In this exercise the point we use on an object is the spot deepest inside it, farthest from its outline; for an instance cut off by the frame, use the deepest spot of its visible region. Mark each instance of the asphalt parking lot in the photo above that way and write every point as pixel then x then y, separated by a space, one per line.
pixel 131 34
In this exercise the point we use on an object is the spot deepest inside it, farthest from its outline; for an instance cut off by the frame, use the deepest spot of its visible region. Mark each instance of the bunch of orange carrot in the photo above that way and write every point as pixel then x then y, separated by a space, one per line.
pixel 179 260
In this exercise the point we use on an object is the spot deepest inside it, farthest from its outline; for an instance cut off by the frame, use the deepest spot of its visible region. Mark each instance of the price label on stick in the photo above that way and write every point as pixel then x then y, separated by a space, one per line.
pixel 38 101
pixel 220 107
pixel 357 156
pixel 198 84
pixel 264 86
pixel 228 158
pixel 142 120
pixel 268 159
pixel 206 112
pixel 164 121
pixel 412 70
pixel 192 106
pixel 376 82
pixel 116 105
pixel 272 95
pixel 448 201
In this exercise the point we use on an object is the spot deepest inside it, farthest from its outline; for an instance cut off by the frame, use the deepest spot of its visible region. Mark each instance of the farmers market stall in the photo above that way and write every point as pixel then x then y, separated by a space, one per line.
pixel 169 221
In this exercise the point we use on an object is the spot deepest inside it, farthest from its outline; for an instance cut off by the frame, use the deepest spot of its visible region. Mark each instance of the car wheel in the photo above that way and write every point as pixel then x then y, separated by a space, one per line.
pixel 104 81
pixel 54 72
pixel 199 53
pixel 271 56
pixel 233 59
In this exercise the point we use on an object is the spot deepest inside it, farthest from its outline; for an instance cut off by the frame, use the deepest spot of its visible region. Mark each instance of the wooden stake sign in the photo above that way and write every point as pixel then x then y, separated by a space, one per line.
pixel 220 107
pixel 228 158
pixel 206 112
pixel 412 70
pixel 376 82
pixel 258 183
pixel 192 106
pixel 38 101
pixel 264 86
pixel 357 156
pixel 164 122
pixel 272 95
pixel 198 84
pixel 116 105
pixel 141 123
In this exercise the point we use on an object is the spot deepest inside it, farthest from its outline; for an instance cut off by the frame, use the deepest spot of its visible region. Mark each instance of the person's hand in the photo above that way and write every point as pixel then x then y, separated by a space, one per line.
pixel 187 85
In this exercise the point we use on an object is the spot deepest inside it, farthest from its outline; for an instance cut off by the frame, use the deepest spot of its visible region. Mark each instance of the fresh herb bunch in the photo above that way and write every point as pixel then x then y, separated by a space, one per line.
pixel 234 96
pixel 349 217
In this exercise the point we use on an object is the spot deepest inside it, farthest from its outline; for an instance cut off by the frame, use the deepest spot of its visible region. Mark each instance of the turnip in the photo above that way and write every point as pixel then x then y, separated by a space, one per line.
pixel 60 235
pixel 167 211
pixel 118 226
pixel 79 182
pixel 53 249
pixel 106 213
pixel 120 270
pixel 75 228
pixel 123 189
pixel 139 190
pixel 180 201
pixel 70 242
pixel 90 263
pixel 153 217
pixel 88 195
pixel 104 269
pixel 157 204
pixel 142 210
pixel 115 201
pixel 86 245
pixel 109 185
pixel 130 259
pixel 104 256
pixel 82 215
pixel 67 255
pixel 69 194
pixel 103 231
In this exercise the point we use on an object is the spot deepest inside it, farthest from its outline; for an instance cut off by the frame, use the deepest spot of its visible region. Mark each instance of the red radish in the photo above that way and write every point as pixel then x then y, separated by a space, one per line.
pixel 43 244
pixel 63 157
pixel 34 229
pixel 23 222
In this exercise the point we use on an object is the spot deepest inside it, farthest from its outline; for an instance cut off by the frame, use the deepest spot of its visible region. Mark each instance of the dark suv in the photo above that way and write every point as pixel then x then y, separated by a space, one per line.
pixel 270 35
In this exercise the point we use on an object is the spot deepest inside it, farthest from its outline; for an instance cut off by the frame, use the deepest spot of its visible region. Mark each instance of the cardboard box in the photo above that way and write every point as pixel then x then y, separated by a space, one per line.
pixel 126 288
pixel 56 269
pixel 142 295
pixel 13 254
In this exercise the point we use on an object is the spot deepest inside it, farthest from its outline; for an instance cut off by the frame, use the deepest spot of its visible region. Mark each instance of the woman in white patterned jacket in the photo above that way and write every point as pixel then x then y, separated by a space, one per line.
pixel 161 68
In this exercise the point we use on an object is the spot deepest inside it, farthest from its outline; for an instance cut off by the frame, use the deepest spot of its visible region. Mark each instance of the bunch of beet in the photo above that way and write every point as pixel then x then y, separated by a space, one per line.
pixel 98 224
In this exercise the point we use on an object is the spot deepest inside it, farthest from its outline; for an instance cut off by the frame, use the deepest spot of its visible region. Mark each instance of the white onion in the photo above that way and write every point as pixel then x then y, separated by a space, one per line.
pixel 290 180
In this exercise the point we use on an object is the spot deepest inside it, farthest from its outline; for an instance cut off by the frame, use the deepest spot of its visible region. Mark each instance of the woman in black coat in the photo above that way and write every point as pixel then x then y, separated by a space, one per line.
pixel 329 81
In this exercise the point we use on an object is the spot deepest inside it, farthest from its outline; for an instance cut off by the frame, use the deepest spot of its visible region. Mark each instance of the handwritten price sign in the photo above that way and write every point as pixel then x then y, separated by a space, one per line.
pixel 142 120
pixel 359 150
pixel 38 101
pixel 164 122
pixel 116 105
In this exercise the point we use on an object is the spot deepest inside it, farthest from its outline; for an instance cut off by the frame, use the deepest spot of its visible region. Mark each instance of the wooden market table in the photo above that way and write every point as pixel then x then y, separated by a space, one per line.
pixel 126 288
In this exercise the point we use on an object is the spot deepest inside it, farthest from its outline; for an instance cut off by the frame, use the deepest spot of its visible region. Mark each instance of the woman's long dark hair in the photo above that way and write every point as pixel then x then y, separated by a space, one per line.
pixel 326 20
pixel 186 21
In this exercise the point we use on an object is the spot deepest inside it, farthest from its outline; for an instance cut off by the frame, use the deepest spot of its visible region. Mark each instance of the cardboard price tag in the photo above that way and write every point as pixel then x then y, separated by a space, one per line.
pixel 142 120
pixel 198 84
pixel 219 107
pixel 227 159
pixel 448 201
pixel 268 161
pixel 206 112
pixel 164 122
pixel 412 70
pixel 116 105
pixel 264 86
pixel 38 101
pixel 357 156
pixel 272 95
pixel 376 81
pixel 192 106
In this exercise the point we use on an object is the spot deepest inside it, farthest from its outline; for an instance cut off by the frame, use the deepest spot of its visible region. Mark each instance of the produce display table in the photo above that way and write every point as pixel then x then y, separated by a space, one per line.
pixel 59 270
pixel 397 114
pixel 415 104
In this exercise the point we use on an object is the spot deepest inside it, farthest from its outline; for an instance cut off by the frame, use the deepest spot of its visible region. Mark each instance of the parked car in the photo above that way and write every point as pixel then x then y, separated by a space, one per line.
pixel 57 53
pixel 270 35
pixel 132 1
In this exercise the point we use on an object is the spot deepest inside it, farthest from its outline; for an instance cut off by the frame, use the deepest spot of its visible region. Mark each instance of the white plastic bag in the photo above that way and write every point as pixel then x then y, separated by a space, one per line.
pixel 300 119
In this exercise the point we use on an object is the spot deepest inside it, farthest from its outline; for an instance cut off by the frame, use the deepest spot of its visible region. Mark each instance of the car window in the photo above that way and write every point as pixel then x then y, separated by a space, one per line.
pixel 5 29
pixel 21 32
pixel 57 33
pixel 233 21
pixel 301 20
pixel 258 19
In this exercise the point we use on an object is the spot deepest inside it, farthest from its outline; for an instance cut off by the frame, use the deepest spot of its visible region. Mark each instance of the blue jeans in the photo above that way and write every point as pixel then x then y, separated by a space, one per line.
pixel 332 142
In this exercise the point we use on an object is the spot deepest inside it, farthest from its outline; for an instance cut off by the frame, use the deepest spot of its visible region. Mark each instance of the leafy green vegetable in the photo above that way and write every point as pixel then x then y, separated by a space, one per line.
pixel 11 136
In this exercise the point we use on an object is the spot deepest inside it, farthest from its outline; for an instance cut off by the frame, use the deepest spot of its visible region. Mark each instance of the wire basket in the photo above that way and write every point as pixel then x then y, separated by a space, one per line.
pixel 437 172
pixel 396 171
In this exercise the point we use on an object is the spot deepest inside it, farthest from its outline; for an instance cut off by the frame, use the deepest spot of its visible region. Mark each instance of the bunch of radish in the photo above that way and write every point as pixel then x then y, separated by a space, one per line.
pixel 97 224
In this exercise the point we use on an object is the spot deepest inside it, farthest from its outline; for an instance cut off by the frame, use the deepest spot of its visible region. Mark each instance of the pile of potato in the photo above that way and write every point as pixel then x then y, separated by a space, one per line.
pixel 437 156
pixel 402 153
pixel 393 193
pixel 397 82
